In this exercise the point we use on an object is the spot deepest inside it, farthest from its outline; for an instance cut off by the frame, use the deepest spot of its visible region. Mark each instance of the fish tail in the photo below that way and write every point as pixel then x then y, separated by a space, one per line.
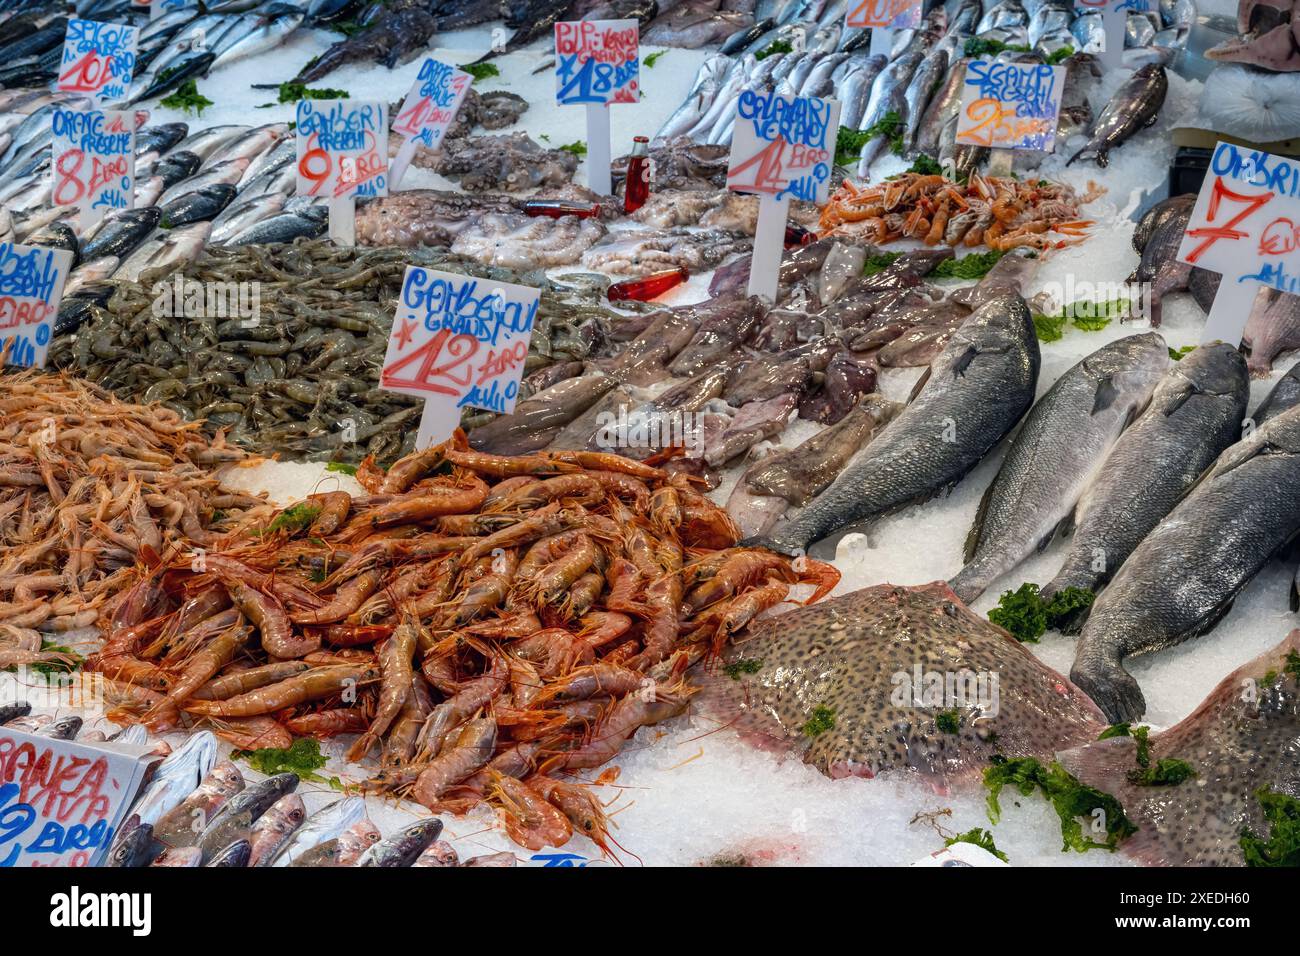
pixel 1111 688
pixel 1076 156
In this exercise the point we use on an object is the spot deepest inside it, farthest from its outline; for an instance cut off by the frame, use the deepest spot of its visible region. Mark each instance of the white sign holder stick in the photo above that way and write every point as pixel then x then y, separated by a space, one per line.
pixel 598 150
pixel 398 165
pixel 1114 24
pixel 439 419
pixel 343 220
pixel 1229 312
pixel 769 244
pixel 882 40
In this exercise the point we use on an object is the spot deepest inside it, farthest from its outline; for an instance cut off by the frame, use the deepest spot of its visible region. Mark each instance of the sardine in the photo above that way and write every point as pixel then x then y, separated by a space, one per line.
pixel 403 847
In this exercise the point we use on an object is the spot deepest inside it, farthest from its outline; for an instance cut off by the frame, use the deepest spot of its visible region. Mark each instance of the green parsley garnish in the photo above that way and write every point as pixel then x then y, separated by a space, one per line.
pixel 342 467
pixel 821 720
pixel 186 97
pixel 480 71
pixel 1282 848
pixel 745 665
pixel 577 149
pixel 1071 799
pixel 293 92
pixel 652 58
pixel 981 838
pixel 776 46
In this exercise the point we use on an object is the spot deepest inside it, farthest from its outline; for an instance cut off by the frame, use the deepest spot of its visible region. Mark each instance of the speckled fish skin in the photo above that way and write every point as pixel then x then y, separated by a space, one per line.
pixel 1194 415
pixel 1237 744
pixel 403 847
pixel 857 655
pixel 1064 440
pixel 976 391
pixel 1182 579
pixel 1134 105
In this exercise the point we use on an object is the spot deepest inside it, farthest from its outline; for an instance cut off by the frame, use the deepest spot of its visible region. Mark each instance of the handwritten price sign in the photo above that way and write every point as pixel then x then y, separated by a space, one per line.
pixel 431 106
pixel 783 146
pixel 94 159
pixel 31 288
pixel 1246 221
pixel 98 59
pixel 1010 105
pixel 884 14
pixel 460 339
pixel 61 801
pixel 342 148
pixel 597 61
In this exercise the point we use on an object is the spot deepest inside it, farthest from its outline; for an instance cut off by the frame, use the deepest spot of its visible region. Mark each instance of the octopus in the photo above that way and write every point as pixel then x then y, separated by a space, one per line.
pixel 839 681
pixel 521 242
pixel 425 217
pixel 735 212
pixel 510 162
pixel 643 252
pixel 493 110
pixel 682 163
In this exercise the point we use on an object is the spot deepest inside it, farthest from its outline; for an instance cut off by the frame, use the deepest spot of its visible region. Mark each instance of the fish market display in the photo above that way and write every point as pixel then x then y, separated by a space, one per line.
pixel 1239 754
pixel 976 391
pixel 1182 579
pixel 529 584
pixel 819 687
pixel 1061 445
pixel 89 486
pixel 1195 413
pixel 999 213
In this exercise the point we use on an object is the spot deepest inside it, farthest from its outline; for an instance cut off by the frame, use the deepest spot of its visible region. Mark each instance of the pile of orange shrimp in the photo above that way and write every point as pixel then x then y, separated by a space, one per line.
pixel 90 486
pixel 998 213
pixel 488 626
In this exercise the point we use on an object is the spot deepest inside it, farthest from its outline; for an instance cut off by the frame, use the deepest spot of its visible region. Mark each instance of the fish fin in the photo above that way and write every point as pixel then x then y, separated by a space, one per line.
pixel 1151 121
pixel 1076 155
pixel 1181 399
pixel 977 526
pixel 1106 395
pixel 962 362
pixel 1063 527
pixel 920 384
pixel 1110 686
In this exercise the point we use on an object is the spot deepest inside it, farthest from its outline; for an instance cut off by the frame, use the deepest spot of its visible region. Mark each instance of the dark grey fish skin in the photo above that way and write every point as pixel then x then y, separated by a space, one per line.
pixel 1173 207
pixel 177 166
pixel 802 473
pixel 234 820
pixel 308 223
pixel 1064 440
pixel 1194 415
pixel 1204 286
pixel 1284 395
pixel 1160 266
pixel 973 394
pixel 1182 579
pixel 1134 106
pixel 122 233
pixel 1238 744
pixel 233 854
pixel 1272 328
pixel 135 849
pixel 199 206
pixel 536 421
pixel 403 847
pixel 57 235
pixel 13 711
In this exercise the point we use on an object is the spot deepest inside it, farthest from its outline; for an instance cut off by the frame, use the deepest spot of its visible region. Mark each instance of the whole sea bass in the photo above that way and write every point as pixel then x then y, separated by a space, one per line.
pixel 1182 579
pixel 1063 441
pixel 1242 751
pixel 1195 413
pixel 1135 105
pixel 828 683
pixel 972 395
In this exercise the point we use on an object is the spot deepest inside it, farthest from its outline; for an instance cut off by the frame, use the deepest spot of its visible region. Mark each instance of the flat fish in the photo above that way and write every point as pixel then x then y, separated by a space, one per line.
pixel 858 684
pixel 1182 579
pixel 1237 744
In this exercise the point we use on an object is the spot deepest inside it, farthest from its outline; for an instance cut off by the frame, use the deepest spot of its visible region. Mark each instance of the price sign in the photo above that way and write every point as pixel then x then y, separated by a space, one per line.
pixel 98 59
pixel 1245 225
pixel 62 801
pixel 94 161
pixel 597 61
pixel 427 112
pixel 31 288
pixel 783 146
pixel 884 14
pixel 1010 105
pixel 342 148
pixel 458 341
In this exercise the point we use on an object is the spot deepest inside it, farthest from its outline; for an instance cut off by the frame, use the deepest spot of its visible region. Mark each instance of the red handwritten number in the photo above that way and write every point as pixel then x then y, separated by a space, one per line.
pixel 1229 229
pixel 427 355
pixel 68 166
pixel 768 177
